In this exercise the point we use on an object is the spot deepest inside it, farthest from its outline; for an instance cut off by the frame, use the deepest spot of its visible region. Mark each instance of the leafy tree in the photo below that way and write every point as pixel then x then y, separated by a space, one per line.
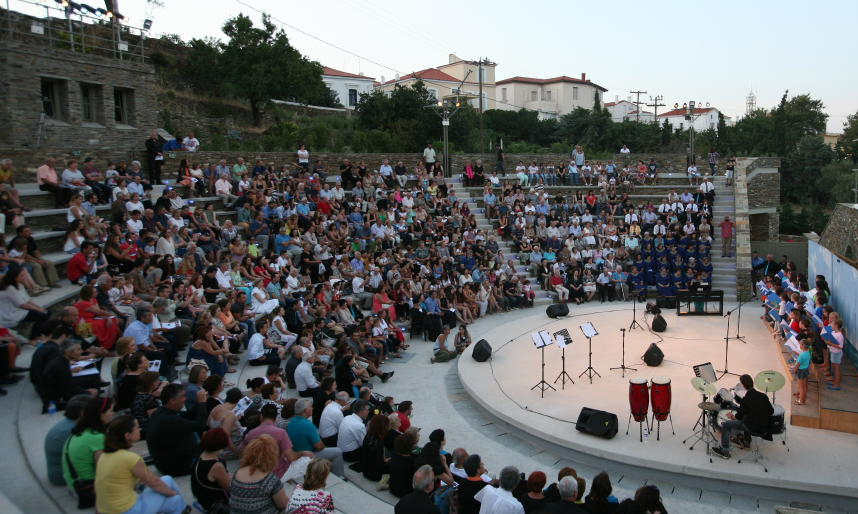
pixel 847 147
pixel 801 169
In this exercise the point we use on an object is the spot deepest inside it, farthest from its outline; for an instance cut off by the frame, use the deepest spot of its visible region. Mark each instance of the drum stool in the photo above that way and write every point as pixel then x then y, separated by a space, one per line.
pixel 756 455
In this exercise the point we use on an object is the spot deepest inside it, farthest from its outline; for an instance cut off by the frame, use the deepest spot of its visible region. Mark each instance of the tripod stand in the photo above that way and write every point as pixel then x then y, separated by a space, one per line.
pixel 590 371
pixel 726 370
pixel 739 319
pixel 622 365
pixel 634 324
pixel 542 384
pixel 563 375
pixel 703 434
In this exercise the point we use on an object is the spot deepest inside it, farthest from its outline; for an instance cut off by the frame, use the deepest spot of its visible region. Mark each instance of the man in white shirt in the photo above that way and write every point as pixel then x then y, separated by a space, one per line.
pixel 135 223
pixel 429 157
pixel 352 431
pixel 293 282
pixel 305 382
pixel 499 500
pixel 708 190
pixel 190 143
pixel 222 276
pixel 363 297
pixel 332 417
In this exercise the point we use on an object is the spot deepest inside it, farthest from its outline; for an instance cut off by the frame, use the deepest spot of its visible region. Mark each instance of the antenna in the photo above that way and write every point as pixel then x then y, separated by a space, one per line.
pixel 750 103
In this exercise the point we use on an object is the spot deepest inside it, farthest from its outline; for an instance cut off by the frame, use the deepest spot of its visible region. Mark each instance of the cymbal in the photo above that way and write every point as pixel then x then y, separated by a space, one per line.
pixel 769 381
pixel 702 386
pixel 709 406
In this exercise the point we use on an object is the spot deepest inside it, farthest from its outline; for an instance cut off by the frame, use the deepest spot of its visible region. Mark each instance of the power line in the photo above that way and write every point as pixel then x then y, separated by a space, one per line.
pixel 638 103
pixel 655 104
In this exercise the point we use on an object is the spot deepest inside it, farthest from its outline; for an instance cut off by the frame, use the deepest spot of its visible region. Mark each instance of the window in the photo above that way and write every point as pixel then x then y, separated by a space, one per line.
pixel 503 94
pixel 533 95
pixel 546 96
pixel 91 103
pixel 123 106
pixel 574 92
pixel 433 93
pixel 353 97
pixel 54 96
pixel 681 126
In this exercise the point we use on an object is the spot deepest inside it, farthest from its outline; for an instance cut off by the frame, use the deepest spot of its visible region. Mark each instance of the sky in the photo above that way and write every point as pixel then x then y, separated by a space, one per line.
pixel 714 52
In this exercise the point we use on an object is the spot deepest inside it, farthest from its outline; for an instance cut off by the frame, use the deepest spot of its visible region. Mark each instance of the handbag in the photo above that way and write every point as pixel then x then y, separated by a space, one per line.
pixel 84 489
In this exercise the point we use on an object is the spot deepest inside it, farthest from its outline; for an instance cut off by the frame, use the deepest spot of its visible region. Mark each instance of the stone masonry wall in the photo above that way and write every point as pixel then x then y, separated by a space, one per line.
pixel 22 68
pixel 841 233
pixel 764 190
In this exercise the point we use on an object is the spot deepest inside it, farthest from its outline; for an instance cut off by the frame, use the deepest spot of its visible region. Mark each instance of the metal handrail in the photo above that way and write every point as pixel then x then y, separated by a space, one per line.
pixel 72 30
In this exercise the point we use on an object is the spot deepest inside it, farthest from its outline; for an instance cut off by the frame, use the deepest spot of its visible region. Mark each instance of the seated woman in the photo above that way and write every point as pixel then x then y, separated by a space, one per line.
pixel 372 461
pixel 104 324
pixel 441 352
pixel 119 471
pixel 210 478
pixel 84 446
pixel 146 400
pixel 204 348
pixel 261 303
pixel 254 489
pixel 311 496
pixel 463 339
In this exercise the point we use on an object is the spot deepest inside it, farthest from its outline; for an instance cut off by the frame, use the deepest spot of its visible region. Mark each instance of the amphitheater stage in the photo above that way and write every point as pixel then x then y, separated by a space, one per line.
pixel 816 463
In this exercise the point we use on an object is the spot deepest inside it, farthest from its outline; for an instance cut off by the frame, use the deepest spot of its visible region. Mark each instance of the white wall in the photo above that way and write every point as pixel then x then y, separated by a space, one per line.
pixel 703 122
pixel 342 85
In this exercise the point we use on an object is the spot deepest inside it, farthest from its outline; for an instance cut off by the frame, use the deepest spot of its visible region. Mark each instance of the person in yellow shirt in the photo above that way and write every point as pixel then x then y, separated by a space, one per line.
pixel 119 470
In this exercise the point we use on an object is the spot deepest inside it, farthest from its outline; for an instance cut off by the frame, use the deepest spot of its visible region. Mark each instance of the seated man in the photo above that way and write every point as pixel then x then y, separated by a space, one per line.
pixel 171 434
pixel 352 431
pixel 754 416
pixel 267 416
pixel 305 436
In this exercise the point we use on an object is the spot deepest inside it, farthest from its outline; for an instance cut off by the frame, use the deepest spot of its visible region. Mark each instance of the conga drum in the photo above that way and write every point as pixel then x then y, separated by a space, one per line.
pixel 638 403
pixel 661 396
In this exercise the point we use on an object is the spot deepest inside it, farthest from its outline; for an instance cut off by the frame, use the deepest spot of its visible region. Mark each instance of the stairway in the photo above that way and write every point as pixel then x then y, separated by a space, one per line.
pixel 724 272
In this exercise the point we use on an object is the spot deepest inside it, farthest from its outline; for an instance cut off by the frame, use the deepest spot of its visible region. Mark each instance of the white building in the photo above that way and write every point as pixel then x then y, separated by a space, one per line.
pixel 347 86
pixel 625 110
pixel 553 97
pixel 704 119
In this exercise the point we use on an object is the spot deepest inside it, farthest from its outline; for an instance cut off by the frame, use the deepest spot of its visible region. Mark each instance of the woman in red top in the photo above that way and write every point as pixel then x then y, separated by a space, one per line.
pixel 104 324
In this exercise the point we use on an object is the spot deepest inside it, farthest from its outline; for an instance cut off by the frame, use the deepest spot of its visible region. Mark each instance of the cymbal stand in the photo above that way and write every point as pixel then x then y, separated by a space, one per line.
pixel 622 365
pixel 701 435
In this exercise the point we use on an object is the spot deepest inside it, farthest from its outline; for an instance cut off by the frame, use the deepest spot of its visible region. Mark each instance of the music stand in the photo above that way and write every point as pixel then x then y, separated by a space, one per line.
pixel 634 324
pixel 622 365
pixel 563 339
pixel 541 339
pixel 589 331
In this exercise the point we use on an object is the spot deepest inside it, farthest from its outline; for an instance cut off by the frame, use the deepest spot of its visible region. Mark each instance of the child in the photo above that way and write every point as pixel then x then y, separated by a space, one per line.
pixel 835 353
pixel 801 368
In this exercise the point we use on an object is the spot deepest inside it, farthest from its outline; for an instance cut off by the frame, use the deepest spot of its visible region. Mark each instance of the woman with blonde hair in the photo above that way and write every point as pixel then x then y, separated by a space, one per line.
pixel 254 489
pixel 310 497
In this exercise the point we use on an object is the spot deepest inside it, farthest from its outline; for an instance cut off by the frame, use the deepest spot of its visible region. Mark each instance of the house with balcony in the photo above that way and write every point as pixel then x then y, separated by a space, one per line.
pixel 347 86
pixel 552 97
pixel 457 76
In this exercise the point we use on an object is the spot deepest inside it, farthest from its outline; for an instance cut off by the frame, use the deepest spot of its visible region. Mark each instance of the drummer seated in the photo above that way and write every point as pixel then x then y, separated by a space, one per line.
pixel 753 417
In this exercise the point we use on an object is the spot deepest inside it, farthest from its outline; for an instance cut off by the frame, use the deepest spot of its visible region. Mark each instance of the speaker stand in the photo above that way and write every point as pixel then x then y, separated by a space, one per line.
pixel 634 324
pixel 590 371
pixel 542 384
pixel 622 365
pixel 563 375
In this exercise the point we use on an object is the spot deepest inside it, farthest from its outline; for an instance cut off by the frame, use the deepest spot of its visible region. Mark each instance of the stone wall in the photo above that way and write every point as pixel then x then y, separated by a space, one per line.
pixel 764 226
pixel 764 198
pixel 841 234
pixel 22 68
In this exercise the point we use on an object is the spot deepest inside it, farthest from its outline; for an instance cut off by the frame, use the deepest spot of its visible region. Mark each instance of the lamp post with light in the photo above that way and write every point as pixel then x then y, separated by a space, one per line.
pixel 692 117
pixel 446 108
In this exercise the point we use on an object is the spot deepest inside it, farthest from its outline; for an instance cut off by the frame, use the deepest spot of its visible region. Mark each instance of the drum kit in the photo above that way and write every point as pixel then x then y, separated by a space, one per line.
pixel 724 406
pixel 641 394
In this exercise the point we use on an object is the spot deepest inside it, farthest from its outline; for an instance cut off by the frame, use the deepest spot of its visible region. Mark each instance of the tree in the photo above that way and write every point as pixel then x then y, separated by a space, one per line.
pixel 801 170
pixel 256 64
pixel 795 118
pixel 847 147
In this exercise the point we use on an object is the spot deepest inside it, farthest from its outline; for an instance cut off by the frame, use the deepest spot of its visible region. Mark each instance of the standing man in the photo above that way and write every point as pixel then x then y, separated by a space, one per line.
pixel 429 157
pixel 499 164
pixel 154 157
pixel 726 236
pixel 713 161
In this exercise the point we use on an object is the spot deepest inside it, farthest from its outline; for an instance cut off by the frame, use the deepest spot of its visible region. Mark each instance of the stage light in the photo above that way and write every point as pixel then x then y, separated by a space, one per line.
pixel 147 24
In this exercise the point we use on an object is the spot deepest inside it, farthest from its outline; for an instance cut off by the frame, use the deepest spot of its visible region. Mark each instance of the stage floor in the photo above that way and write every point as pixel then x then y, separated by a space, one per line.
pixel 821 461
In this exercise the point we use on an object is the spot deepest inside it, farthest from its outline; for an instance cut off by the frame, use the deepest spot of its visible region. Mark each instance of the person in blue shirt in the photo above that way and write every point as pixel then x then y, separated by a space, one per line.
pixel 664 284
pixel 705 265
pixel 678 281
pixel 636 283
pixel 649 271
pixel 801 369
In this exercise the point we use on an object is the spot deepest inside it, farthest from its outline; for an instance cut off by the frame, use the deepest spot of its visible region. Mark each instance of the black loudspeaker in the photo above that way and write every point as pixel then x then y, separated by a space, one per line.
pixel 482 351
pixel 597 422
pixel 665 302
pixel 556 310
pixel 653 355
pixel 658 324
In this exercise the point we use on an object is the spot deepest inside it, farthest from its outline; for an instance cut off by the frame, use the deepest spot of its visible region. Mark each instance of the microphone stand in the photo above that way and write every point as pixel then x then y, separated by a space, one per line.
pixel 634 324
pixel 622 365
pixel 739 318
pixel 726 370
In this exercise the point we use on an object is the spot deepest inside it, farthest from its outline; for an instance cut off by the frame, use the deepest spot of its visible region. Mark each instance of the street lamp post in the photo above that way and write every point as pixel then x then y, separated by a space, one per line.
pixel 692 117
pixel 446 108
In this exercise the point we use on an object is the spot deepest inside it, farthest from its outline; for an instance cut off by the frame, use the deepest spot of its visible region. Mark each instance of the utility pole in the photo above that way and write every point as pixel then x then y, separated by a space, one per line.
pixel 638 103
pixel 482 131
pixel 656 103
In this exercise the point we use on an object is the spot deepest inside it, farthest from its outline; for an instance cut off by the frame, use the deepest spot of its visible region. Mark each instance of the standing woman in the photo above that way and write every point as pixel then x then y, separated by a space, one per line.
pixel 119 471
pixel 84 447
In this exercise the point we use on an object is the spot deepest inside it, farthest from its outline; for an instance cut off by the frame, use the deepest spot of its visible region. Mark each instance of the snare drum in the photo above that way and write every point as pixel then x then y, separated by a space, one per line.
pixel 722 417
pixel 724 397
pixel 661 396
pixel 778 423
pixel 638 398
